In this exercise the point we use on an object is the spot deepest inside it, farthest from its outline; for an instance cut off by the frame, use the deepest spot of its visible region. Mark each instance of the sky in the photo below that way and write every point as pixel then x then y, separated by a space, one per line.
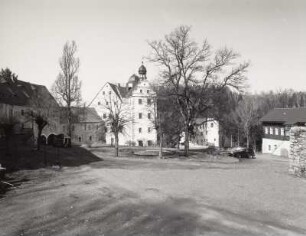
pixel 112 37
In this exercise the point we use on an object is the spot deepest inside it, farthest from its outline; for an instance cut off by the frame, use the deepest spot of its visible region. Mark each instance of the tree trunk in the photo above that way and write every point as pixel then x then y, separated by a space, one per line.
pixel 39 138
pixel 186 141
pixel 160 153
pixel 69 127
pixel 248 139
pixel 116 144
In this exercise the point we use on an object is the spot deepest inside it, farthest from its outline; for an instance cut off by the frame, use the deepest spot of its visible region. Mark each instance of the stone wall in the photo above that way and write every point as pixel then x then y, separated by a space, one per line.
pixel 297 154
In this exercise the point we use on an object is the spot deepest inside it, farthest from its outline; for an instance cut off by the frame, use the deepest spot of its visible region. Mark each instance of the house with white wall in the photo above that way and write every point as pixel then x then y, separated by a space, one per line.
pixel 276 128
pixel 206 132
pixel 136 101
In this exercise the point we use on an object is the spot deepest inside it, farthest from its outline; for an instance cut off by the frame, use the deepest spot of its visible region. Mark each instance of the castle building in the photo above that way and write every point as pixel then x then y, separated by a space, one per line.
pixel 134 103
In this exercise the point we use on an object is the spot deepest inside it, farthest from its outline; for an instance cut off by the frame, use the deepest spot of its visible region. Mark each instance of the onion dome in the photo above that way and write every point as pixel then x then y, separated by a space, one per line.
pixel 142 71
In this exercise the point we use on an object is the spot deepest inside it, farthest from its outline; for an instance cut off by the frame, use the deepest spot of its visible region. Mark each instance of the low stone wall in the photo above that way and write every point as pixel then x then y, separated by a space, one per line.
pixel 297 154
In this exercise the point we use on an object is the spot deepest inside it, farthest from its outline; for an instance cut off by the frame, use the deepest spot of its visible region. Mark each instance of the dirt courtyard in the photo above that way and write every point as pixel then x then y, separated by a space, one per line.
pixel 119 196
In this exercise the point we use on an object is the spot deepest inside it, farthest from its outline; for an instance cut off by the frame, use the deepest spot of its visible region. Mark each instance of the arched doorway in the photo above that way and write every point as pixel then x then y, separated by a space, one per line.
pixel 50 139
pixel 43 139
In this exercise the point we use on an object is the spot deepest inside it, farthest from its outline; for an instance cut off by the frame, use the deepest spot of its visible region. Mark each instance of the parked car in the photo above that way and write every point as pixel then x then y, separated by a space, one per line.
pixel 242 152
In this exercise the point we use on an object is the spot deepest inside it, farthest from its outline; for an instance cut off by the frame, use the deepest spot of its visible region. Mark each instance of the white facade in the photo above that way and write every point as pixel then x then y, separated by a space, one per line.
pixel 135 102
pixel 208 133
pixel 275 147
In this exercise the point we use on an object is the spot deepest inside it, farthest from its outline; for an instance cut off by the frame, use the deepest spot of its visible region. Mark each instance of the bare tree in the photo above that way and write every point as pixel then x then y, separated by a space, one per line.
pixel 246 113
pixel 67 86
pixel 45 111
pixel 117 119
pixel 193 74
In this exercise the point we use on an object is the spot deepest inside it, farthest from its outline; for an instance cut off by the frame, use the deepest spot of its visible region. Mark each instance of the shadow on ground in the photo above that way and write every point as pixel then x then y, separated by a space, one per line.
pixel 115 215
pixel 24 157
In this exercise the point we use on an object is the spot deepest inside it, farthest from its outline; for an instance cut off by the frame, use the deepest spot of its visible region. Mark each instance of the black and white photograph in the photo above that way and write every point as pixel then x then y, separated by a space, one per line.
pixel 152 117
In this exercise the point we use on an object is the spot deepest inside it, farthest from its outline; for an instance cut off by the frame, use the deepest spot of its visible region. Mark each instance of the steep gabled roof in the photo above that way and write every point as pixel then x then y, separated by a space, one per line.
pixel 21 93
pixel 288 116
pixel 80 115
pixel 116 90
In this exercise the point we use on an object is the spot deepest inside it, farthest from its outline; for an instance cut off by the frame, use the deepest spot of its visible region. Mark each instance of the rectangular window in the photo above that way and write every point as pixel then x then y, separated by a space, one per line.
pixel 104 116
pixel 139 101
pixel 22 112
pixel 148 91
pixel 282 131
pixel 269 147
pixel 266 130
pixel 139 130
pixel 140 90
pixel 140 115
pixel 103 92
pixel 149 116
pixel 110 92
pixel 212 125
pixel 271 130
pixel 149 130
pixel 276 131
pixel 149 101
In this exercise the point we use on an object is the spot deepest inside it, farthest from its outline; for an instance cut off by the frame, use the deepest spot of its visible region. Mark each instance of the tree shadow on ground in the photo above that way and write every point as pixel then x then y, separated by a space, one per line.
pixel 118 216
pixel 24 157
